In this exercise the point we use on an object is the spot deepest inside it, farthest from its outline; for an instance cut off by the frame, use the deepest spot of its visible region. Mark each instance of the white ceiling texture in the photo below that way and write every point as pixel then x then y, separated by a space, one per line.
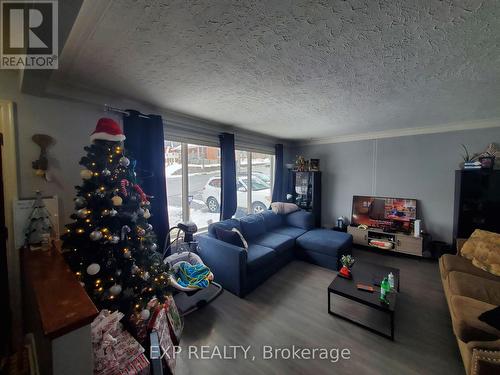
pixel 296 69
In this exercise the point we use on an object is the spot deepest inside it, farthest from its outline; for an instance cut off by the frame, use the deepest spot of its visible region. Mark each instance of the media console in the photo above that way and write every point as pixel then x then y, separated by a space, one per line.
pixel 397 242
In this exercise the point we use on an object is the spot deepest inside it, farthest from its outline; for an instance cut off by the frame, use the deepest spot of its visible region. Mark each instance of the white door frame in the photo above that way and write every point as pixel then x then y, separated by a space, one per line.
pixel 10 183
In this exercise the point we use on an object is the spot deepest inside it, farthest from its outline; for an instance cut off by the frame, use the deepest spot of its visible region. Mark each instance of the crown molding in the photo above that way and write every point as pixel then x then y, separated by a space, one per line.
pixel 444 128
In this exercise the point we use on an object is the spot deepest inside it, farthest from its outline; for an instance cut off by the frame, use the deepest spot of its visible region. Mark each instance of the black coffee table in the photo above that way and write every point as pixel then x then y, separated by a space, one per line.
pixel 368 274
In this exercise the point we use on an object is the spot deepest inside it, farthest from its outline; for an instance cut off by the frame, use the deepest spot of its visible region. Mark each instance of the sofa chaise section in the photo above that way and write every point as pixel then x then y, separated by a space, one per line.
pixel 273 241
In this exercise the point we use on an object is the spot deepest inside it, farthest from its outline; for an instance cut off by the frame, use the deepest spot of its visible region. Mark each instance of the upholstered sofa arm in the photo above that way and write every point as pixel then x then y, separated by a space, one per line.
pixel 226 261
pixel 485 359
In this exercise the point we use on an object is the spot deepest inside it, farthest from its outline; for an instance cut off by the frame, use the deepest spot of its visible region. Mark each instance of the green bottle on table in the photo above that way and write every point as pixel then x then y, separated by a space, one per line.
pixel 384 289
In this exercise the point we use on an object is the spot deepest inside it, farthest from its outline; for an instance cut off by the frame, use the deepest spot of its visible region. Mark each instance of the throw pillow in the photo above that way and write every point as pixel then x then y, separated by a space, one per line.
pixel 491 317
pixel 284 208
pixel 483 249
pixel 243 241
pixel 229 237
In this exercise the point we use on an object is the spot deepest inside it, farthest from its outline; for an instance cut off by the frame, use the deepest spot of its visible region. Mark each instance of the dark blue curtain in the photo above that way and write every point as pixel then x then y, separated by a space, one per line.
pixel 228 174
pixel 145 144
pixel 278 174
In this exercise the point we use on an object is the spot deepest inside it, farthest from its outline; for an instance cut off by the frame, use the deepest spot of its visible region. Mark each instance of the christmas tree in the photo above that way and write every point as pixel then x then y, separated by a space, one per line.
pixel 39 227
pixel 110 245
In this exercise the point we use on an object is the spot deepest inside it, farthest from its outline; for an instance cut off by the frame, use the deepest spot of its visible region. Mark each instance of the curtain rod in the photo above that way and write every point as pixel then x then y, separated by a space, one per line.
pixel 108 108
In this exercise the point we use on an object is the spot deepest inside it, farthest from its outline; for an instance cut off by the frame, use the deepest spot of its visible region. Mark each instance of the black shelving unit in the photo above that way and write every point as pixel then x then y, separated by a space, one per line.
pixel 305 189
pixel 477 202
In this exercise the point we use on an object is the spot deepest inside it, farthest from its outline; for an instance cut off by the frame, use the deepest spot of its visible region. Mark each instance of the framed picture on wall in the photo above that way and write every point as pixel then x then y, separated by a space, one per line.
pixel 314 165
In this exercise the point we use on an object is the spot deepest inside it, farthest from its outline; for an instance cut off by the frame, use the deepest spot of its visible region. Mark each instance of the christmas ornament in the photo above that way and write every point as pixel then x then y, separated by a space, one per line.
pixel 125 231
pixel 141 232
pixel 86 174
pixel 93 269
pixel 123 186
pixel 127 254
pixel 106 172
pixel 146 276
pixel 145 314
pixel 115 239
pixel 134 269
pixel 113 212
pixel 153 247
pixel 118 272
pixel 80 202
pixel 96 235
pixel 117 201
pixel 140 211
pixel 141 193
pixel 115 289
pixel 81 213
pixel 124 161
pixel 107 130
pixel 147 214
pixel 105 212
pixel 149 227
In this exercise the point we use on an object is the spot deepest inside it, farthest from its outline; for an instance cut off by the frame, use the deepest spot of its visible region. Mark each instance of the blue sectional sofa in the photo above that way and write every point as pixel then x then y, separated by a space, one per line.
pixel 273 241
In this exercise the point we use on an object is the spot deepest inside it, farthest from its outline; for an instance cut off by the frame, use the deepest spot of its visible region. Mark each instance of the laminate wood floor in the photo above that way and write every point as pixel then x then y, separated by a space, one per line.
pixel 291 309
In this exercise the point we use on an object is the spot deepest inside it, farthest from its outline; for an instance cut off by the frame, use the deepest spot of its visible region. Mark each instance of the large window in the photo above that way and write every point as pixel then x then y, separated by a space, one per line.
pixel 194 182
pixel 254 174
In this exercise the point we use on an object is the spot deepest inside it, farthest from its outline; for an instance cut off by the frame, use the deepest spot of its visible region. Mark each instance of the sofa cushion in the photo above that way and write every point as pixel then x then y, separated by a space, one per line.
pixel 252 226
pixel 467 285
pixel 275 241
pixel 259 256
pixel 293 232
pixel 325 241
pixel 271 219
pixel 300 219
pixel 449 262
pixel 465 313
pixel 225 224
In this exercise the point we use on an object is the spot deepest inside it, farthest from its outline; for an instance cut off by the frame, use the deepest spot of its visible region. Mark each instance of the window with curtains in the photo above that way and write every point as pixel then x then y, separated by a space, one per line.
pixel 254 175
pixel 193 183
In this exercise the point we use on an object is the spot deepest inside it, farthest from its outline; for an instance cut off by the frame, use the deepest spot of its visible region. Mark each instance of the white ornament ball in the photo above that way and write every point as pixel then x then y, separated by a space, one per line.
pixel 81 213
pixel 96 235
pixel 117 201
pixel 146 276
pixel 86 174
pixel 112 212
pixel 153 247
pixel 127 254
pixel 145 314
pixel 106 172
pixel 115 289
pixel 124 161
pixel 115 239
pixel 147 214
pixel 93 269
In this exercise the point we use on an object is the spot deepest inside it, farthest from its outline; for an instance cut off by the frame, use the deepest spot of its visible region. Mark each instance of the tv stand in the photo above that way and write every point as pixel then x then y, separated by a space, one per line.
pixel 392 241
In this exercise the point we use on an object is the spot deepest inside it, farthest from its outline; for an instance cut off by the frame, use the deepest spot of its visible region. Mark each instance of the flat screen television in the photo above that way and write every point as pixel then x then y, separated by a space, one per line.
pixel 384 212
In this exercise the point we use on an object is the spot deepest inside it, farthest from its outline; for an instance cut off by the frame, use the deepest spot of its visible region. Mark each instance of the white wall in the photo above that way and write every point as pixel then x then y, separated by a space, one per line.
pixel 421 167
pixel 69 123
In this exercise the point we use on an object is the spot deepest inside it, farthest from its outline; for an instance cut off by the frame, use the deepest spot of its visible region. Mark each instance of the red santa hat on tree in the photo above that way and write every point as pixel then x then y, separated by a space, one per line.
pixel 107 130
